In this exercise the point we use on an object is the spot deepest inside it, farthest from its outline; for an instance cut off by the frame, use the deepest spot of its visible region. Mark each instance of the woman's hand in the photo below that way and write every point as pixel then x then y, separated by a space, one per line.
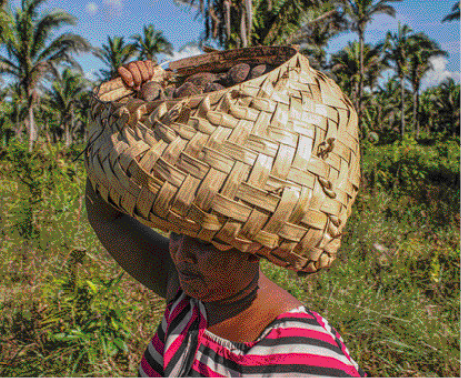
pixel 135 73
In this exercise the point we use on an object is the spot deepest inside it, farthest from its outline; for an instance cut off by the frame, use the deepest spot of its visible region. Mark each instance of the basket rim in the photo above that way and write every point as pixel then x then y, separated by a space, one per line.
pixel 116 88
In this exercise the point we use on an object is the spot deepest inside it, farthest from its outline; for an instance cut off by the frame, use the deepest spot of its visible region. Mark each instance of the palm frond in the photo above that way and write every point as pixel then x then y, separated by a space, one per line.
pixel 46 25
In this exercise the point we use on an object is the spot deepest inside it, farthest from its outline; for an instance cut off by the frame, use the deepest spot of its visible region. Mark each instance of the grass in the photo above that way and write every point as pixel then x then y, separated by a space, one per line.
pixel 67 309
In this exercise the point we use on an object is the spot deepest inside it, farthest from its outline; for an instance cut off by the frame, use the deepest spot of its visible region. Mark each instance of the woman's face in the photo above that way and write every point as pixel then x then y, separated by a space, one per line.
pixel 207 273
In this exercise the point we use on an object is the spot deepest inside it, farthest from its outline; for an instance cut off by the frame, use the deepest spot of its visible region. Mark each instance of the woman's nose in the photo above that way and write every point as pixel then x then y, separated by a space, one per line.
pixel 184 251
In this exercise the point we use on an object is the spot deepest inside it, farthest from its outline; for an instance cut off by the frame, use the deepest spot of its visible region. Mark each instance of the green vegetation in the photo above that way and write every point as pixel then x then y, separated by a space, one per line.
pixel 68 309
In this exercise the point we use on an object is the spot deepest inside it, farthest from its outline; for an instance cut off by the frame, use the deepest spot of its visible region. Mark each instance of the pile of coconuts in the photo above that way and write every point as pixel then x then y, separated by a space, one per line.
pixel 202 82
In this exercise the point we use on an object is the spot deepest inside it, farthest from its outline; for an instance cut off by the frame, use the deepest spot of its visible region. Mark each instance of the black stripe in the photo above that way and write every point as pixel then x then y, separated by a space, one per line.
pixel 293 368
pixel 161 333
pixel 362 373
pixel 276 322
pixel 298 340
pixel 175 322
pixel 175 298
pixel 182 349
pixel 194 373
pixel 194 343
pixel 153 363
pixel 215 357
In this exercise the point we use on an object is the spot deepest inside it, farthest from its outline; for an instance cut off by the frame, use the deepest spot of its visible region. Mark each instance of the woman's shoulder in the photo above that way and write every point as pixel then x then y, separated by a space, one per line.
pixel 304 337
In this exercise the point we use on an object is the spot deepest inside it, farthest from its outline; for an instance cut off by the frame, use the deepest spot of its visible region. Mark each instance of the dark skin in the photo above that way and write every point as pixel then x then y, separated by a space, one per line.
pixel 239 299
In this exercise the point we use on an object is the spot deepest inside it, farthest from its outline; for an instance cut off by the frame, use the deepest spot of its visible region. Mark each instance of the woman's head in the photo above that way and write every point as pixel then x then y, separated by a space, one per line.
pixel 208 273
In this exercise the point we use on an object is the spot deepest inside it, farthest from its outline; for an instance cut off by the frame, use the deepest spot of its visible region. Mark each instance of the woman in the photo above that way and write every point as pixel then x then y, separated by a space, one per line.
pixel 224 317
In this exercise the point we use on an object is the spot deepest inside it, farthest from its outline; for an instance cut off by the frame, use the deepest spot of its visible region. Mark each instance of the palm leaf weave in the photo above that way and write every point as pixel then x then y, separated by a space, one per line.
pixel 270 166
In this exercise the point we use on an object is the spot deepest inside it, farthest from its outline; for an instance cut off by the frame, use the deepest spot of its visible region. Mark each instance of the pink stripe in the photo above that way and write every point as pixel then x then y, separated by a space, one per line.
pixel 279 333
pixel 205 370
pixel 181 306
pixel 283 359
pixel 297 315
pixel 179 339
pixel 157 344
pixel 342 345
pixel 148 369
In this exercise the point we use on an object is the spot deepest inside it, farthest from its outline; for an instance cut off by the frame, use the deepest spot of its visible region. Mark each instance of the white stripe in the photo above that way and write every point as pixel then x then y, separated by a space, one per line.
pixel 328 326
pixel 181 297
pixel 285 375
pixel 298 325
pixel 142 373
pixel 213 365
pixel 296 348
pixel 164 324
pixel 154 354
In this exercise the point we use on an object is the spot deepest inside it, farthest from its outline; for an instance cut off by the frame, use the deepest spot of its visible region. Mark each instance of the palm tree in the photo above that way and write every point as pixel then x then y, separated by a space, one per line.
pixel 14 111
pixel 115 54
pixel 64 96
pixel 151 43
pixel 387 100
pixel 447 100
pixel 422 51
pixel 4 21
pixel 345 64
pixel 318 25
pixel 398 47
pixel 454 15
pixel 237 15
pixel 361 13
pixel 242 23
pixel 33 51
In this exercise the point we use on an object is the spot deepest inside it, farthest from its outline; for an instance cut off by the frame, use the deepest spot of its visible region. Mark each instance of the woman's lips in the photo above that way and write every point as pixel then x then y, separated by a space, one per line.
pixel 188 276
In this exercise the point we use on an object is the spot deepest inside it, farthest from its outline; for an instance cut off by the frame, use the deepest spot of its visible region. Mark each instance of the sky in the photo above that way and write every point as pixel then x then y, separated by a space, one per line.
pixel 99 19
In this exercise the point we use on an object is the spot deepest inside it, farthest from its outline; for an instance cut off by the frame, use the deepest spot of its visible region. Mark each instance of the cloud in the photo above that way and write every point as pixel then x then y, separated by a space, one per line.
pixel 116 4
pixel 91 8
pixel 439 73
pixel 91 74
pixel 187 5
pixel 112 8
pixel 185 52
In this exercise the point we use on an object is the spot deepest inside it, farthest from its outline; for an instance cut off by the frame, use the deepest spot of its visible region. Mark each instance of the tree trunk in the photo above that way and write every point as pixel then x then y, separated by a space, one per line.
pixel 414 113
pixel 417 112
pixel 32 128
pixel 66 134
pixel 402 106
pixel 227 19
pixel 19 127
pixel 249 14
pixel 243 31
pixel 361 41
pixel 69 128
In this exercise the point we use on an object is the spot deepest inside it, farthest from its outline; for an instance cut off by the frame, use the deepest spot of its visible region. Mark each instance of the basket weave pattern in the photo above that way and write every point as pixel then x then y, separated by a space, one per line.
pixel 269 166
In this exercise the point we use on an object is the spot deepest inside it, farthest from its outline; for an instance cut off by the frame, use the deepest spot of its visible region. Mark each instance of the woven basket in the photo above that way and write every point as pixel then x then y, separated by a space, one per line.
pixel 269 166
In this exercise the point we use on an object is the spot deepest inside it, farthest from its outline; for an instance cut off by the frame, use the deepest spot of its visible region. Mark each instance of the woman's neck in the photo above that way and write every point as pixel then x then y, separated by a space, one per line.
pixel 247 316
pixel 232 306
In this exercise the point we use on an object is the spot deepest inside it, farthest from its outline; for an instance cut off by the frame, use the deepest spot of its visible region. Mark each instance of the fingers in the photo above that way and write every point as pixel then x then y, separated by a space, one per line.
pixel 136 73
pixel 143 69
pixel 126 76
pixel 150 67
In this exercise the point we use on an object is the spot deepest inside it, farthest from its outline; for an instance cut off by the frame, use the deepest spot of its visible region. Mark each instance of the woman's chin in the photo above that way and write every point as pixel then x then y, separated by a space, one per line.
pixel 201 292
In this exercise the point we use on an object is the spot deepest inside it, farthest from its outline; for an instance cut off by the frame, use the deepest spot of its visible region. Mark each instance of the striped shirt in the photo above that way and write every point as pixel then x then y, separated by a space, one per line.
pixel 297 343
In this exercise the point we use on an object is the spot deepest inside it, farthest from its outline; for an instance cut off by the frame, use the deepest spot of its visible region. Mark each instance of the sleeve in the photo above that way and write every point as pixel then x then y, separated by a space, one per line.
pixel 340 342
